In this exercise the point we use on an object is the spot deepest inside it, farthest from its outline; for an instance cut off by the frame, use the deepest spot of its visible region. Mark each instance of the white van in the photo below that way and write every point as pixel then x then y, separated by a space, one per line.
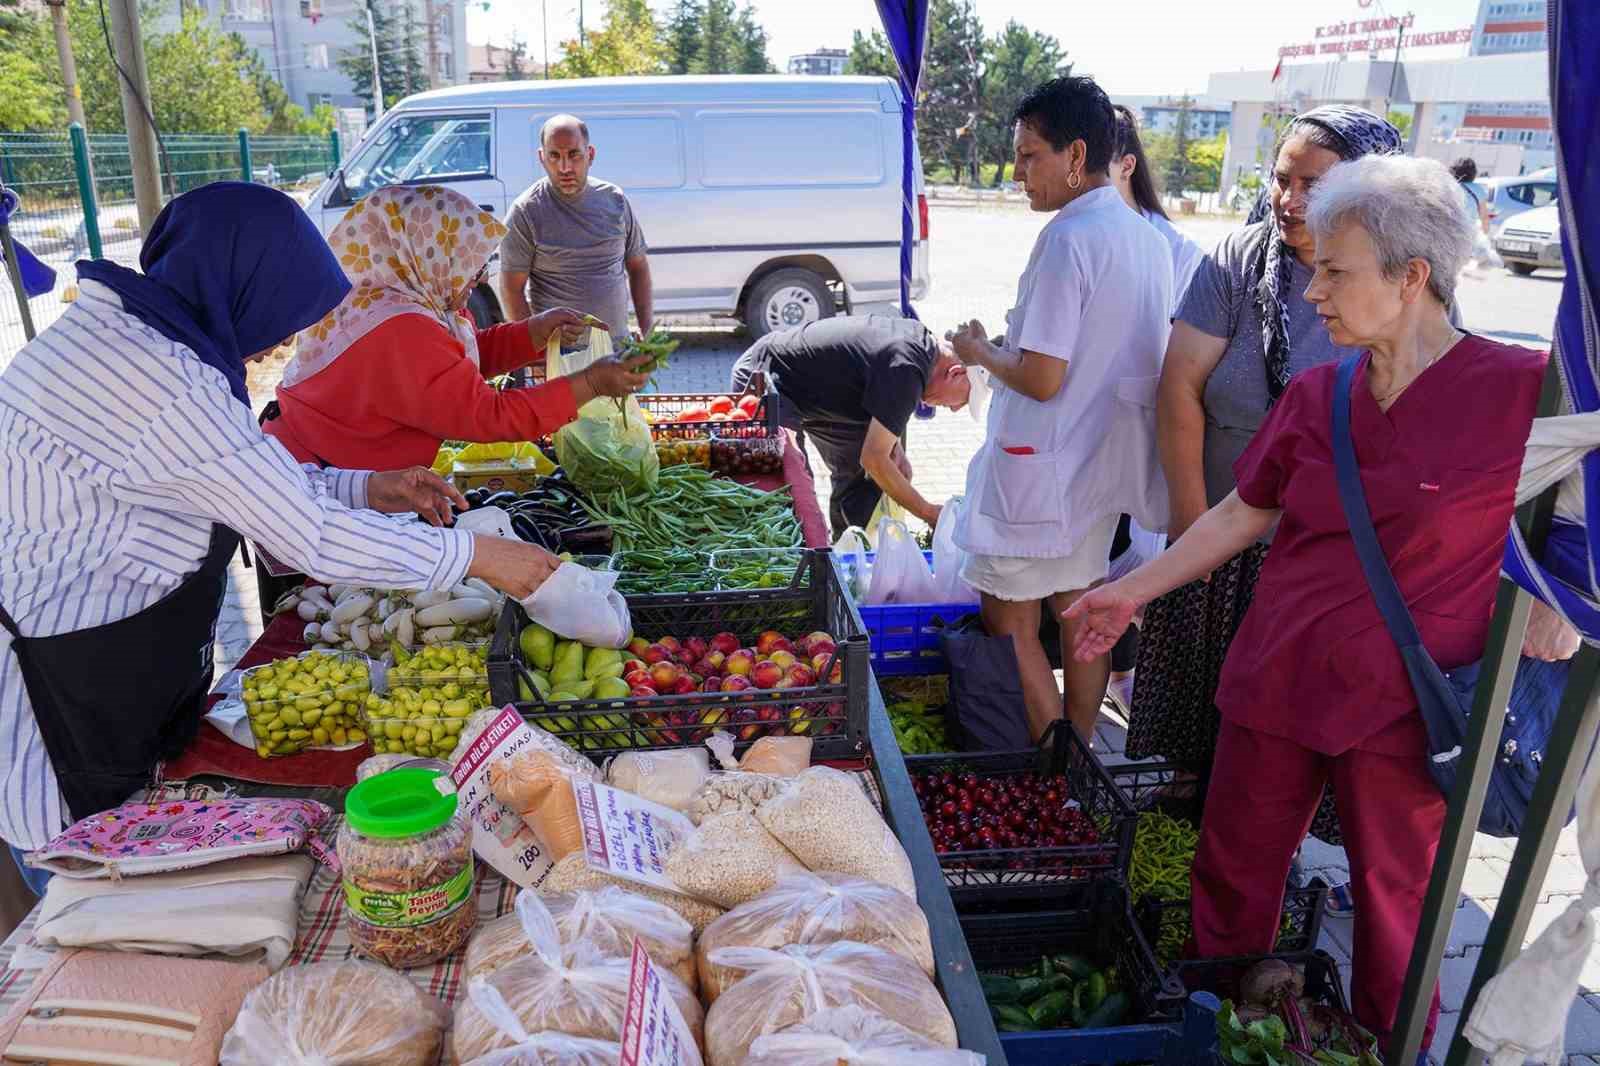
pixel 772 199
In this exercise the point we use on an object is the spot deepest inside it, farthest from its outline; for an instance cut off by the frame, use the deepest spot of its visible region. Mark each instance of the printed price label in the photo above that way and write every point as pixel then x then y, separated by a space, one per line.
pixel 653 1030
pixel 627 836
pixel 499 835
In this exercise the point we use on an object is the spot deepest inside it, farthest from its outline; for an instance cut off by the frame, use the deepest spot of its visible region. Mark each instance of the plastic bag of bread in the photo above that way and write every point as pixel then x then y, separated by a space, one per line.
pixel 573 874
pixel 730 859
pixel 851 1036
pixel 779 756
pixel 583 997
pixel 538 787
pixel 825 818
pixel 790 985
pixel 336 1012
pixel 534 1049
pixel 608 919
pixel 813 908
pixel 670 778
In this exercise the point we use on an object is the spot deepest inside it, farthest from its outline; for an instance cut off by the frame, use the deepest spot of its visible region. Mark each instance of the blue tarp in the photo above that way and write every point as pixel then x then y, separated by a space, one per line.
pixel 905 22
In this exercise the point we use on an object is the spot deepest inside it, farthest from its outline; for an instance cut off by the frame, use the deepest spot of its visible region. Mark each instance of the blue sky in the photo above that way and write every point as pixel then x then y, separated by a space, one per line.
pixel 1130 46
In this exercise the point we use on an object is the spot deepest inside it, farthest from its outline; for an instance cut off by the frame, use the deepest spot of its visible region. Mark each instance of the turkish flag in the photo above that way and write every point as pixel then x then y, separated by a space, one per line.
pixel 1277 70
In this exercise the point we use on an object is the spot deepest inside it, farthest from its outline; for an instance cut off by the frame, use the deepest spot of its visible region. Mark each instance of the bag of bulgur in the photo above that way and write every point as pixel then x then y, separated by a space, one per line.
pixel 825 818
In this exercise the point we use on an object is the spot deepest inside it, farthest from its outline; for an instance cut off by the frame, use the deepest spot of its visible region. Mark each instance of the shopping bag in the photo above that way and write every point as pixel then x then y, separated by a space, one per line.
pixel 582 604
pixel 900 574
pixel 948 584
pixel 609 446
pixel 852 548
pixel 985 711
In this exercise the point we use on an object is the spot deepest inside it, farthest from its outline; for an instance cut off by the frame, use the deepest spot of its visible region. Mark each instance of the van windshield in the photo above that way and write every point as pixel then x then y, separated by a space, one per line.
pixel 421 148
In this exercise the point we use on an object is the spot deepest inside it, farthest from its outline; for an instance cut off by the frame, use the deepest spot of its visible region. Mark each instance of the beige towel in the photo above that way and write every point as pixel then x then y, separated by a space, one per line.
pixel 231 908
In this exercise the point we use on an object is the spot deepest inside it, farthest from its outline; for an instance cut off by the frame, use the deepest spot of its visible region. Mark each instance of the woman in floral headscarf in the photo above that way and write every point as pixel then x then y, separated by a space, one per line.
pixel 397 367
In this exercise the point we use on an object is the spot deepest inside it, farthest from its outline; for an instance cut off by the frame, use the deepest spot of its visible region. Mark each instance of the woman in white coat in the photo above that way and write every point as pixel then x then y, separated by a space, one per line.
pixel 1070 440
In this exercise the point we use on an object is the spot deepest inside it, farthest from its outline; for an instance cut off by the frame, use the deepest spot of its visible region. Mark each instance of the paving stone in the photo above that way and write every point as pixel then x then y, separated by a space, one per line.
pixel 1467 929
pixel 1566 877
pixel 1484 878
pixel 1443 1033
pixel 1455 977
pixel 1583 1028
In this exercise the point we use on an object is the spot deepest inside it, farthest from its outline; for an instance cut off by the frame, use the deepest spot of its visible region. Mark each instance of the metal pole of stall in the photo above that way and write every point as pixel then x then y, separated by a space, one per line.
pixel 86 194
pixel 245 170
pixel 13 268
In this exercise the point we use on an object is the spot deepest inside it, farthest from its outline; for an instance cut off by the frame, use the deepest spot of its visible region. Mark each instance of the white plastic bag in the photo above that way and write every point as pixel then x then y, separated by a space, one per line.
pixel 608 446
pixel 581 604
pixel 670 777
pixel 1143 546
pixel 900 574
pixel 852 548
pixel 948 585
pixel 534 1049
pixel 852 1036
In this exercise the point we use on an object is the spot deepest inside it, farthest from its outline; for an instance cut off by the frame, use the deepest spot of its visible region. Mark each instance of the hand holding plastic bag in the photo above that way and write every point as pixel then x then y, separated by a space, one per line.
pixel 948 584
pixel 582 604
pixel 900 574
pixel 851 1036
pixel 609 446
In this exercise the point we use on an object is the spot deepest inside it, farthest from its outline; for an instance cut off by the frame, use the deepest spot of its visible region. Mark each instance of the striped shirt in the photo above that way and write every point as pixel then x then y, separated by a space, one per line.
pixel 120 448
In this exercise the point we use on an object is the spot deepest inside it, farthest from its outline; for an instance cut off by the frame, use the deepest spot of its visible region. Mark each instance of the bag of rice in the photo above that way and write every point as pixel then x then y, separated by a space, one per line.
pixel 585 997
pixel 792 984
pixel 574 873
pixel 730 859
pixel 811 908
pixel 607 919
pixel 825 818
pixel 851 1036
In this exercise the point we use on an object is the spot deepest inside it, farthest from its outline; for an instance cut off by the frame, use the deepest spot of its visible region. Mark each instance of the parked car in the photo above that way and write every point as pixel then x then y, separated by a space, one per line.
pixel 775 200
pixel 1531 240
pixel 1509 197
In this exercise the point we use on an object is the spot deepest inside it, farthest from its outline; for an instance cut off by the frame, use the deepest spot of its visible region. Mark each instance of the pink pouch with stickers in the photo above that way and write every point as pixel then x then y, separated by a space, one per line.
pixel 153 838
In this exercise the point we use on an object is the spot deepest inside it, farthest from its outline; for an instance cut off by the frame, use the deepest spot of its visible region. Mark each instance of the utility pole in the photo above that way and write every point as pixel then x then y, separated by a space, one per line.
pixel 544 27
pixel 409 54
pixel 377 77
pixel 133 81
pixel 581 42
pixel 433 45
pixel 69 68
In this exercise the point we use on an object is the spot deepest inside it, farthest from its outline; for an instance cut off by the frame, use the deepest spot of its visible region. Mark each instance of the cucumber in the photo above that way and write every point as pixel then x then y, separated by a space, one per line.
pixel 1061 982
pixel 1017 1019
pixel 1110 1012
pixel 1048 1011
pixel 1030 989
pixel 999 990
pixel 1076 965
pixel 1097 992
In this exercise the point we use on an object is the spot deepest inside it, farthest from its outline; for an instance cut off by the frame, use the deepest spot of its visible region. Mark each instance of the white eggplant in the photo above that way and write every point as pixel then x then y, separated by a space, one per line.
pixel 352 607
pixel 383 609
pixel 431 598
pixel 391 624
pixel 331 633
pixel 483 587
pixel 339 592
pixel 456 612
pixel 406 631
pixel 289 601
pixel 308 610
pixel 440 634
pixel 312 634
pixel 360 636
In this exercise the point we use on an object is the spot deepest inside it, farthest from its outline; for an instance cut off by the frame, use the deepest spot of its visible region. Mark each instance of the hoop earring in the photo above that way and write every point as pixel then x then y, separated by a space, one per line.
pixel 1074 180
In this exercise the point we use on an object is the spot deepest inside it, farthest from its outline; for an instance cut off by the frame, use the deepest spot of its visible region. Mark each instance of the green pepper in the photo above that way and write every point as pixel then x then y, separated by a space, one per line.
pixel 1013 1019
pixel 999 990
pixel 1048 1012
pixel 1110 1012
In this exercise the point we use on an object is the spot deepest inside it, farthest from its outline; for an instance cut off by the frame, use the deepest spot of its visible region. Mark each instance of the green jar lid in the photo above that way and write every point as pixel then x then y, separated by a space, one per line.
pixel 399 803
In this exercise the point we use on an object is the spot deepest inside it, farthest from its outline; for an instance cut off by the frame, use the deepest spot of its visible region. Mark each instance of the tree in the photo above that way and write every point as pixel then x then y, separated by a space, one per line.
pixel 951 109
pixel 1019 60
pixel 870 56
pixel 516 59
pixel 750 45
pixel 718 41
pixel 1205 163
pixel 1178 167
pixel 628 43
pixel 32 99
pixel 400 63
pixel 1401 121
pixel 682 36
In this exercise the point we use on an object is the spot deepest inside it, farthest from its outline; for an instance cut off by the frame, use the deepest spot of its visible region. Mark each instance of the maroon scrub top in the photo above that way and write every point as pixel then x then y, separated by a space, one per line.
pixel 1313 661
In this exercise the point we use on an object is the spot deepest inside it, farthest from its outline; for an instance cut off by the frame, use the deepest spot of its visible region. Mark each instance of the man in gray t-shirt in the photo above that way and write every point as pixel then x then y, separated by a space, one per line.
pixel 573 241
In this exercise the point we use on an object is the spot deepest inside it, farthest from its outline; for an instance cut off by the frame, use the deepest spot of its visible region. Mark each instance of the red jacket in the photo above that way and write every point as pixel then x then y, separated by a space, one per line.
pixel 398 392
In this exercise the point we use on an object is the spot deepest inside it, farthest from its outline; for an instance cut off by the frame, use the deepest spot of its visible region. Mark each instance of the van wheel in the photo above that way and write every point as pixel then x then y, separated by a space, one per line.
pixel 484 308
pixel 1522 270
pixel 785 299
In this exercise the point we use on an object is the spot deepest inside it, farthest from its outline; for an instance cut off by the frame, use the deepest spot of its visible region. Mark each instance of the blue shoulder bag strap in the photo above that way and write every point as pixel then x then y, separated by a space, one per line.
pixel 1391 604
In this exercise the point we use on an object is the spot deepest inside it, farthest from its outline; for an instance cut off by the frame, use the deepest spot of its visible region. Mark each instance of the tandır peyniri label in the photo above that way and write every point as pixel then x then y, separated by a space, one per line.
pixel 405 909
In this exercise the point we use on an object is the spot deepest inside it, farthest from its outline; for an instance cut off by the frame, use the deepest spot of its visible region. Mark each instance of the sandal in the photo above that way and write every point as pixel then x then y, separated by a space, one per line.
pixel 1340 902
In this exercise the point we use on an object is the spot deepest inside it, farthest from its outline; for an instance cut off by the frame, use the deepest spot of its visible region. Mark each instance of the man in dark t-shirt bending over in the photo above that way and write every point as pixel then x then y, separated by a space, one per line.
pixel 851 386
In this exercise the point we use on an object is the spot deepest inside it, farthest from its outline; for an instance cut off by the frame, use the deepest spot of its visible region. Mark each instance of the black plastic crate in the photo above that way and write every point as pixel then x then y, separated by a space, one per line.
pixel 833 714
pixel 1104 932
pixel 1221 978
pixel 664 407
pixel 998 878
pixel 1154 786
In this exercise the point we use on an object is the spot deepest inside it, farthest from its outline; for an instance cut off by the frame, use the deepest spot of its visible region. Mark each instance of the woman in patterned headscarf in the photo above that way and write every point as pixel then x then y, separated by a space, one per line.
pixel 1240 333
pixel 397 367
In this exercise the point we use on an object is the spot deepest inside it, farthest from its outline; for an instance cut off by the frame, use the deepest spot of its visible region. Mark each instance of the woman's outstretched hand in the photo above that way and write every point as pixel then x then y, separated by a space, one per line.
pixel 1101 615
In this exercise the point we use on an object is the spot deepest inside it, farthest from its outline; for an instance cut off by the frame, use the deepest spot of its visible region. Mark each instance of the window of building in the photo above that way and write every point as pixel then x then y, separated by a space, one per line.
pixel 447 65
pixel 310 9
pixel 246 10
pixel 316 57
pixel 316 100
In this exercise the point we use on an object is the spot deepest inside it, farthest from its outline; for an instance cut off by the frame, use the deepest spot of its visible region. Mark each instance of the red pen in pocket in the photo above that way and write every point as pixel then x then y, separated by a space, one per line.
pixel 1019 450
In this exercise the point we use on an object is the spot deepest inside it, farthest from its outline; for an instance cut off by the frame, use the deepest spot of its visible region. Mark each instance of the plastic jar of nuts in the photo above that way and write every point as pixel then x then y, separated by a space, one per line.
pixel 407 858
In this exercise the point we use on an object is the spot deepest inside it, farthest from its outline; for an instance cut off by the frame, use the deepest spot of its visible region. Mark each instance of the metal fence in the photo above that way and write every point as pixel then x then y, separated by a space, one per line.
pixel 76 195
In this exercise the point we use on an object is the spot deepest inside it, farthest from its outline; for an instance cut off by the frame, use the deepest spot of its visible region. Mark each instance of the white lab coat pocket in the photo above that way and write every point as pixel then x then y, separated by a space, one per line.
pixel 1023 492
pixel 1133 472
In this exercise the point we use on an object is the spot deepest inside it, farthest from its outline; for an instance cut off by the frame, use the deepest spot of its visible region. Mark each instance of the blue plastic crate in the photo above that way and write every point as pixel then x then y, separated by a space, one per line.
pixel 904 639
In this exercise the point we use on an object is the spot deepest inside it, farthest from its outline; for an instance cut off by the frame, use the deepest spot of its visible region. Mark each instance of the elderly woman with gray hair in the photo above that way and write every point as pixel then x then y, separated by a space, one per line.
pixel 1313 690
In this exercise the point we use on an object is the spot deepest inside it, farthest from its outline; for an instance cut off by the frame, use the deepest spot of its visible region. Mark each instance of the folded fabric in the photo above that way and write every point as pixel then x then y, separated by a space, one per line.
pixel 234 908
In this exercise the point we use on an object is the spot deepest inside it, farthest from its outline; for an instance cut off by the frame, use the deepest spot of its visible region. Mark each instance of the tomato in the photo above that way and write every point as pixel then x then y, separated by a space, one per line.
pixel 748 404
pixel 721 405
pixel 694 414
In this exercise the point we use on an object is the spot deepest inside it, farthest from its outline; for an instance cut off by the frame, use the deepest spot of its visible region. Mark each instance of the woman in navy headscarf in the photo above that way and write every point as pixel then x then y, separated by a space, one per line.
pixel 133 465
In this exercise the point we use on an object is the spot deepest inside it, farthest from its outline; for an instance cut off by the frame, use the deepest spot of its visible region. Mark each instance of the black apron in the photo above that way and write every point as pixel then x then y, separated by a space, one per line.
pixel 114 700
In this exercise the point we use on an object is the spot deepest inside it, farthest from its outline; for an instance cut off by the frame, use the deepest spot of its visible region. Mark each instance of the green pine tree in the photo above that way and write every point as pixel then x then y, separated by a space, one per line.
pixel 683 36
pixel 400 62
pixel 751 44
pixel 870 56
pixel 951 109
pixel 719 45
pixel 1019 60
pixel 1178 167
